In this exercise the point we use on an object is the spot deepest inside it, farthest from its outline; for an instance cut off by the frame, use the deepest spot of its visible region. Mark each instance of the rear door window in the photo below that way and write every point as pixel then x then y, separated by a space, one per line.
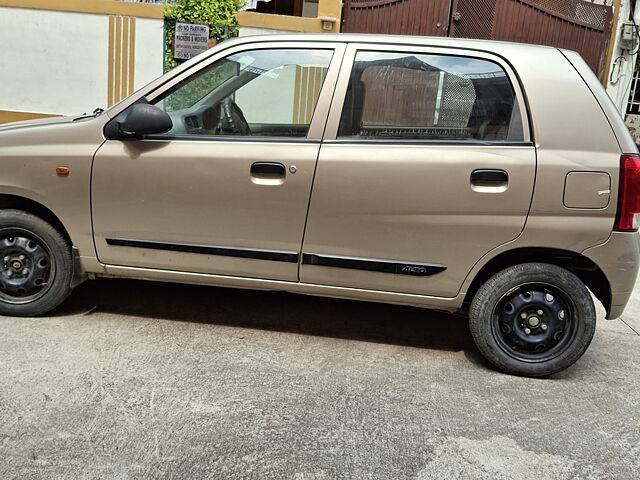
pixel 396 95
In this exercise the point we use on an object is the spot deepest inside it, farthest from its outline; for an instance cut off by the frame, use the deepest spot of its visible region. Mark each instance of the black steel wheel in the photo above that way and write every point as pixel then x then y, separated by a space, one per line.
pixel 534 322
pixel 26 267
pixel 532 319
pixel 35 265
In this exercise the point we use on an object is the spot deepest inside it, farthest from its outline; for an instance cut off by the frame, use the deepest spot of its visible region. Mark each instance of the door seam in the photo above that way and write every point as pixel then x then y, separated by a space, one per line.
pixel 315 168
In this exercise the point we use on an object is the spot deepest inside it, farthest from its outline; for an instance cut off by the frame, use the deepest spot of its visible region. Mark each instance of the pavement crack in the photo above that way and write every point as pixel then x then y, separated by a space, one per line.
pixel 634 330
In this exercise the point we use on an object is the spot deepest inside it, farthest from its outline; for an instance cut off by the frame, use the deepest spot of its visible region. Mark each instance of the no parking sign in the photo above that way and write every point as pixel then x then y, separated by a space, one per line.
pixel 191 39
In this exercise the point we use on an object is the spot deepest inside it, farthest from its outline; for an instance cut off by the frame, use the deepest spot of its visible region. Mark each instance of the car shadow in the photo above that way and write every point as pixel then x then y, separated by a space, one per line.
pixel 275 311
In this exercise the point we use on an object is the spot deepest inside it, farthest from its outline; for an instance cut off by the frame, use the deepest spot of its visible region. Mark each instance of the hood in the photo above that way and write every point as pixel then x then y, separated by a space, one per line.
pixel 41 122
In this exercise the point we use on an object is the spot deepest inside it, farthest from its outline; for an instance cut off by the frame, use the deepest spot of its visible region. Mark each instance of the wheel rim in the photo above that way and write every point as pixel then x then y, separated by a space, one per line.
pixel 27 268
pixel 534 322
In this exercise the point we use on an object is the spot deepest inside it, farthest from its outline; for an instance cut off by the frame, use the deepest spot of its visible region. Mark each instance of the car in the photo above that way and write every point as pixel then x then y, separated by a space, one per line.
pixel 496 180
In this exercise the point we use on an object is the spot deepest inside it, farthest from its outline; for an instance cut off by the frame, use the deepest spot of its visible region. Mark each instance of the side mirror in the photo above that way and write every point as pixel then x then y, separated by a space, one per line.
pixel 138 120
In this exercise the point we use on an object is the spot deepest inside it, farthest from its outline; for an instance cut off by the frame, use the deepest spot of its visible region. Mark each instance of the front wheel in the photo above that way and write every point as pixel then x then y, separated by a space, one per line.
pixel 532 319
pixel 35 265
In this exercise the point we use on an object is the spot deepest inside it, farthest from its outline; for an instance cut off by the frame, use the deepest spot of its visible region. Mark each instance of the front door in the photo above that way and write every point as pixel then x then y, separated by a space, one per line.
pixel 226 190
pixel 427 165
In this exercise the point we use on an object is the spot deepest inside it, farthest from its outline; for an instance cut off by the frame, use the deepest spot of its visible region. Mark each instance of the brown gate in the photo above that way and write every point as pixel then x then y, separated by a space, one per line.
pixel 574 24
pixel 405 17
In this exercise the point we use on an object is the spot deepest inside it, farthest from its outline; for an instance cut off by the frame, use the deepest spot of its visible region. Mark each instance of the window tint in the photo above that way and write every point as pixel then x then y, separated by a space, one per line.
pixel 256 93
pixel 442 97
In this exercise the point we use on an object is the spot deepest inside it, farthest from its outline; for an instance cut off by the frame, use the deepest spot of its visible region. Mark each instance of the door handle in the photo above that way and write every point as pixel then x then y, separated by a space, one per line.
pixel 268 170
pixel 487 177
pixel 268 173
pixel 486 180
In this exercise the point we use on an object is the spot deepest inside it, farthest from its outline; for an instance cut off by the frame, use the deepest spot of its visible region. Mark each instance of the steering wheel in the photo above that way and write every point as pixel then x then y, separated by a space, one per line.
pixel 232 121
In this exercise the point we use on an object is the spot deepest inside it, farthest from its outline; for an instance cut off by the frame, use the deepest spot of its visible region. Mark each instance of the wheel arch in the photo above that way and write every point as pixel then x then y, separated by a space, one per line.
pixel 584 268
pixel 8 201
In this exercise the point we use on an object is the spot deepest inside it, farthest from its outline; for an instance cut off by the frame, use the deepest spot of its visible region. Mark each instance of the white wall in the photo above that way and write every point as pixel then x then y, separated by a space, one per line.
pixel 619 81
pixel 57 62
pixel 52 62
pixel 149 51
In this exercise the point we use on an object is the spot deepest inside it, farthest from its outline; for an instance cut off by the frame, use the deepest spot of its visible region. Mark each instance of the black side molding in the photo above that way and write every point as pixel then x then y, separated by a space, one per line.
pixel 273 255
pixel 384 266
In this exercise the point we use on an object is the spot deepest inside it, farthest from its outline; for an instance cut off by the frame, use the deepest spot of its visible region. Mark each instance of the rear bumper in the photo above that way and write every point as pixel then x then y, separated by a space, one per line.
pixel 618 259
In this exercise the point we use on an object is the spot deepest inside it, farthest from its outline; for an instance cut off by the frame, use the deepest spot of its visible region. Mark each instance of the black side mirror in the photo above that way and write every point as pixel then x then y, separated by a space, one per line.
pixel 136 121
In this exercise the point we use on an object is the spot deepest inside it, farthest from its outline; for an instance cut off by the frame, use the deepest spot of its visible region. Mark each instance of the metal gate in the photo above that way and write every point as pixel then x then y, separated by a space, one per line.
pixel 574 24
pixel 404 17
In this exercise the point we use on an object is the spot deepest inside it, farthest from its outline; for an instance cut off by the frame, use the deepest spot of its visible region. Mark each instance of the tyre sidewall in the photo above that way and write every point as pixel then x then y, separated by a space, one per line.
pixel 488 296
pixel 60 252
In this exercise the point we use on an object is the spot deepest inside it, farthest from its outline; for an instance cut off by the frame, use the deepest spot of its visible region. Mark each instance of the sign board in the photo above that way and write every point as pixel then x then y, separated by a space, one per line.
pixel 191 39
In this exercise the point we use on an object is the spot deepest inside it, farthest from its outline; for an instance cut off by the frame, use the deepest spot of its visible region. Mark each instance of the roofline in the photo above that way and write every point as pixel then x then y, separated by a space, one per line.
pixel 500 49
pixel 468 43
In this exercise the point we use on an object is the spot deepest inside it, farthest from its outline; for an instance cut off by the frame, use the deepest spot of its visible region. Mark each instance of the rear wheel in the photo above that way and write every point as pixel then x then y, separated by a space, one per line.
pixel 533 319
pixel 35 265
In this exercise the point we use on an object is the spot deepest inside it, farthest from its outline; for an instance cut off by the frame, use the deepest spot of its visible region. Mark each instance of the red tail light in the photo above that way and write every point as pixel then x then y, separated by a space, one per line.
pixel 628 194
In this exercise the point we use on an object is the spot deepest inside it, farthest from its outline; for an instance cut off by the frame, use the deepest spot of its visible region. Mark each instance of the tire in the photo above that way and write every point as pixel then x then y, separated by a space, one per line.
pixel 36 266
pixel 532 319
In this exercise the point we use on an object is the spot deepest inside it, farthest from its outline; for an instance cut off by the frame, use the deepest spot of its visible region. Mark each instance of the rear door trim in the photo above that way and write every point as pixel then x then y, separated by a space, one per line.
pixel 397 267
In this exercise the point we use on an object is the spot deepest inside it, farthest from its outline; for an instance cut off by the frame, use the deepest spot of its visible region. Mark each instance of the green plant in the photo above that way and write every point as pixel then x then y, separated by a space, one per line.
pixel 218 14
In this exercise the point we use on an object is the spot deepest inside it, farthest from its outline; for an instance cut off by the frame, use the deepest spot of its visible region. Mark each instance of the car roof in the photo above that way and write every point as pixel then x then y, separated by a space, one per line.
pixel 486 45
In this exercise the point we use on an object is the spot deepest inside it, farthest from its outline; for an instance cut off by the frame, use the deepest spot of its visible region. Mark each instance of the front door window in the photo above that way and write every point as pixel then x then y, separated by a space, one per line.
pixel 263 93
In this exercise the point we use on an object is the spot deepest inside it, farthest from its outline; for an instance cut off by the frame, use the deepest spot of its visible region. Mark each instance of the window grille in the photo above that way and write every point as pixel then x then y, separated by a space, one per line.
pixel 633 107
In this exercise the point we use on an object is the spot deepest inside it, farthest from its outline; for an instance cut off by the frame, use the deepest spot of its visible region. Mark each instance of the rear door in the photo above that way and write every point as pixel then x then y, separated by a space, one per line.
pixel 427 164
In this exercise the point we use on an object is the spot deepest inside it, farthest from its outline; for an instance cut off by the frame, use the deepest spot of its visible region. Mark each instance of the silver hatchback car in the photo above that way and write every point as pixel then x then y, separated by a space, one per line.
pixel 487 178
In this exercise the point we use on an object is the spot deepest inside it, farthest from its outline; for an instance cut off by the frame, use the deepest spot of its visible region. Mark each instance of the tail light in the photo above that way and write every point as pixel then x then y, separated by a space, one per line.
pixel 628 194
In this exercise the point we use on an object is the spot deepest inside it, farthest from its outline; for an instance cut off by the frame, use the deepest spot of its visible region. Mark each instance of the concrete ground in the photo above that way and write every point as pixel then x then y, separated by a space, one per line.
pixel 139 380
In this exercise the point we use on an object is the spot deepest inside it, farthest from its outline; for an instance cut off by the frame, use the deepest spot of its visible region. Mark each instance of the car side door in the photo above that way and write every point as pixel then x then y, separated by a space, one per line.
pixel 427 164
pixel 226 190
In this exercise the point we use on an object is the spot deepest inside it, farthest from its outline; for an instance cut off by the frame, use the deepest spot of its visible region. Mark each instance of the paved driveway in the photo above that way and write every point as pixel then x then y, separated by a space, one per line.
pixel 140 380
